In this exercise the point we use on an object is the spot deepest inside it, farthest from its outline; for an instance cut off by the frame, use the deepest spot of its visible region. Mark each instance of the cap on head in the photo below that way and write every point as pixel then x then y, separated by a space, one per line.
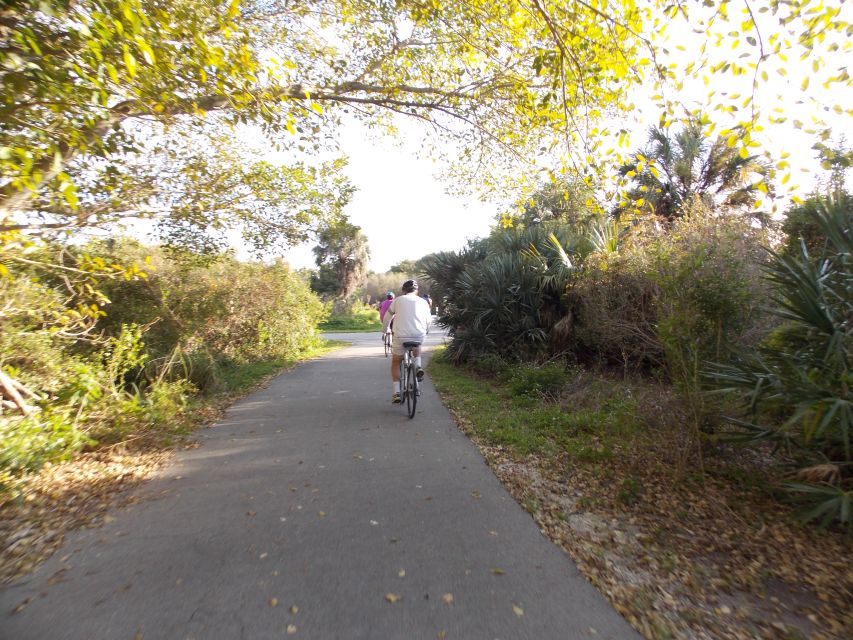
pixel 409 286
pixel 389 295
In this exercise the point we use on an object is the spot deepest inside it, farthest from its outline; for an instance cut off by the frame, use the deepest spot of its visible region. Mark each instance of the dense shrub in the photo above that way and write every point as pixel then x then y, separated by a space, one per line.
pixel 491 365
pixel 801 226
pixel 708 269
pixel 110 341
pixel 641 296
pixel 796 386
pixel 202 317
pixel 506 294
pixel 614 302
pixel 357 317
pixel 672 297
pixel 542 381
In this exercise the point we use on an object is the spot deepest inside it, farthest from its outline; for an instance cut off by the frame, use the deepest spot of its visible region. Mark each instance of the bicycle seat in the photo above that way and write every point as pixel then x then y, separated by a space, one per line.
pixel 411 345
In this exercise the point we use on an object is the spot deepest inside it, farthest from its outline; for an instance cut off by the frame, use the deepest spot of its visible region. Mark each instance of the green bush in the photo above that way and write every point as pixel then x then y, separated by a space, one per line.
pixel 105 352
pixel 506 294
pixel 804 372
pixel 672 297
pixel 642 296
pixel 712 293
pixel 801 226
pixel 30 442
pixel 543 381
pixel 202 317
pixel 615 309
pixel 359 317
pixel 490 364
pixel 203 367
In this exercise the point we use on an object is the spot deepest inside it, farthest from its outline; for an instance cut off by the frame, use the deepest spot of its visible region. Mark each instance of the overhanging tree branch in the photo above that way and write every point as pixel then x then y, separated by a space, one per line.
pixel 14 199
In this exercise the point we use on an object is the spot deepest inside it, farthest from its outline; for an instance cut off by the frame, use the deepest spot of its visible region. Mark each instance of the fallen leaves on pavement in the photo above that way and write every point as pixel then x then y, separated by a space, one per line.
pixel 63 497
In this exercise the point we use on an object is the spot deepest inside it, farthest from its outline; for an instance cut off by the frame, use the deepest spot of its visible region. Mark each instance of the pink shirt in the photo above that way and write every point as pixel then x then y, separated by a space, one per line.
pixel 383 308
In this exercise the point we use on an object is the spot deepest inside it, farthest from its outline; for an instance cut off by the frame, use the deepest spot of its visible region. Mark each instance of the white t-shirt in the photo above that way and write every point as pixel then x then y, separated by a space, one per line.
pixel 411 316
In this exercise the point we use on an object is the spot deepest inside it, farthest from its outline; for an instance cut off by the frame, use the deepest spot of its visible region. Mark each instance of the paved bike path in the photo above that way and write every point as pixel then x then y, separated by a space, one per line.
pixel 301 514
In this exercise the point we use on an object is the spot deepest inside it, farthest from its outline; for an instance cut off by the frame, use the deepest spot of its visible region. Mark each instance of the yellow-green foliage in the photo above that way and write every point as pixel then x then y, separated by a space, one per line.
pixel 221 312
pixel 102 351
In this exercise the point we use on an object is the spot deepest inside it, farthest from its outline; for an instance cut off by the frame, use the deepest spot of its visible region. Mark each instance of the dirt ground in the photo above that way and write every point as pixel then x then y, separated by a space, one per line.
pixel 681 562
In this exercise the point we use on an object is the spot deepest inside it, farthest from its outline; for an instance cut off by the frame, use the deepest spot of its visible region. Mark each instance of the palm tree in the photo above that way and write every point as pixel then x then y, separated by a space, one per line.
pixel 796 387
pixel 570 201
pixel 506 294
pixel 673 169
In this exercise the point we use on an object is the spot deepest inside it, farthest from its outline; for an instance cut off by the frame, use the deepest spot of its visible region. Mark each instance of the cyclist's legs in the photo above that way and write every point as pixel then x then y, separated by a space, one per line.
pixel 395 367
pixel 397 352
pixel 396 358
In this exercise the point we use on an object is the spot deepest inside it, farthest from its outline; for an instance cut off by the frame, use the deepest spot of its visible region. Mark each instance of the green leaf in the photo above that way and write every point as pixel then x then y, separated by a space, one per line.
pixel 129 62
pixel 147 52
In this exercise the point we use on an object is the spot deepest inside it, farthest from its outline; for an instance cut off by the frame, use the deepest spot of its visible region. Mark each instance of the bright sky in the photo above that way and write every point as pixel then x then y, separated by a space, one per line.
pixel 400 204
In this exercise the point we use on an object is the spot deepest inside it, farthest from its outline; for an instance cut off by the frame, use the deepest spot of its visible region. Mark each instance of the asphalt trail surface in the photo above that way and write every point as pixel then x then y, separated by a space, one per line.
pixel 316 509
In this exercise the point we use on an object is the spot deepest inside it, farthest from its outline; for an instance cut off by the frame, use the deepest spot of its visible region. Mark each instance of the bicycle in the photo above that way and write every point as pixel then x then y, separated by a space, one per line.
pixel 409 388
pixel 388 341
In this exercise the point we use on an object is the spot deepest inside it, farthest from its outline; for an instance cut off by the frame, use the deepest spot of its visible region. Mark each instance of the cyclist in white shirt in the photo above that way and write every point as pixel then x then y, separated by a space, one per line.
pixel 411 315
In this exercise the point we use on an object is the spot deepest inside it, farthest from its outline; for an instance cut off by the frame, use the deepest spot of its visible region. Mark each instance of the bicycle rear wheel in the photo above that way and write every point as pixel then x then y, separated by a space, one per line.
pixel 403 382
pixel 387 341
pixel 411 390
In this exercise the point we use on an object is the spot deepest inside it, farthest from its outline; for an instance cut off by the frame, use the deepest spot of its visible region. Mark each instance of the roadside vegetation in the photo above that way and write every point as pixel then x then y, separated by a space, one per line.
pixel 751 331
pixel 664 387
pixel 358 317
pixel 598 461
pixel 108 362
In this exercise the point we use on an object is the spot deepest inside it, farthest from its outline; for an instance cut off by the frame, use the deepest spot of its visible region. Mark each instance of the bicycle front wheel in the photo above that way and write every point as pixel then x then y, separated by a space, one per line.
pixel 411 391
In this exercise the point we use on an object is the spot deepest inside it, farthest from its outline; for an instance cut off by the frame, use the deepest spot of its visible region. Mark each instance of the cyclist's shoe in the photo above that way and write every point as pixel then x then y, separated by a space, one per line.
pixel 395 399
pixel 420 374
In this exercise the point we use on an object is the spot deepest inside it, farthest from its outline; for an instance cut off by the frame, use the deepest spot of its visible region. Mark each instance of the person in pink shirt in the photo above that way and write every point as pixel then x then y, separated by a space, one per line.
pixel 389 298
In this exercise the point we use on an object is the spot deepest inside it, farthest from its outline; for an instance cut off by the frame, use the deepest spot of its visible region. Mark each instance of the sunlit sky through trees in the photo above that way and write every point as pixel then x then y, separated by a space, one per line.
pixel 404 208
pixel 407 208
pixel 401 203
